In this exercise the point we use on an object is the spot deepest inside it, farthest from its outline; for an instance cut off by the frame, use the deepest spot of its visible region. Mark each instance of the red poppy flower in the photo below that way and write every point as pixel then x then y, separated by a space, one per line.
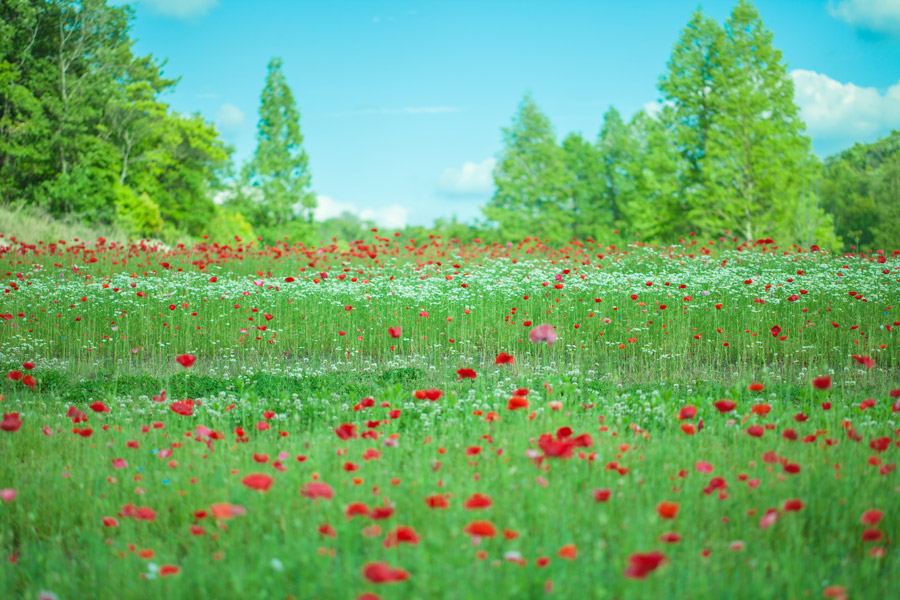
pixel 568 552
pixel 395 332
pixel 465 374
pixel 481 529
pixel 642 564
pixel 437 501
pixel 29 365
pixel 29 381
pixel 141 513
pixel 380 572
pixel 517 402
pixel 756 387
pixel 835 592
pixel 14 375
pixel 667 510
pixel 345 431
pixel 756 430
pixel 725 405
pixel 775 330
pixel 872 516
pixel 880 444
pixel 167 570
pixel 317 489
pixel 687 412
pixel 258 481
pixel 872 535
pixel 379 513
pixel 356 509
pixel 822 383
pixel 186 360
pixel 864 360
pixel 11 422
pixel 761 409
pixel 562 445
pixel 184 408
pixel 401 535
pixel 601 495
pixel 477 501
pixel 716 483
pixel 504 359
pixel 432 394
pixel 99 407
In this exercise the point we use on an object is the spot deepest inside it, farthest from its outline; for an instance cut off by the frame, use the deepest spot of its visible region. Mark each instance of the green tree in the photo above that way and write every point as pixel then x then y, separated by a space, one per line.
pixel 689 88
pixel 189 170
pixel 135 117
pixel 83 130
pixel 137 213
pixel 758 156
pixel 345 227
pixel 90 55
pixel 616 146
pixel 654 203
pixel 860 188
pixel 531 179
pixel 24 128
pixel 583 162
pixel 226 225
pixel 279 168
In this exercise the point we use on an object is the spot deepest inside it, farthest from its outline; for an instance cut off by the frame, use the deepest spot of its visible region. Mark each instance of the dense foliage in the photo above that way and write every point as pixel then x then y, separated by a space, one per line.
pixel 726 154
pixel 84 131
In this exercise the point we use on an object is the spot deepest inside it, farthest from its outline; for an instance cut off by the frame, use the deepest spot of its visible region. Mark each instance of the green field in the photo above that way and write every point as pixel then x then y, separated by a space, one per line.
pixel 550 474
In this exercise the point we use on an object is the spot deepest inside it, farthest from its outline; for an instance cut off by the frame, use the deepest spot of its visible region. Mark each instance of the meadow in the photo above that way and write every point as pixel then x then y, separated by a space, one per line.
pixel 399 418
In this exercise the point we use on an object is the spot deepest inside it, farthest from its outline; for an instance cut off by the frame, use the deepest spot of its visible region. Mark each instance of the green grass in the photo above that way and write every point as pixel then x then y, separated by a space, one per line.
pixel 625 395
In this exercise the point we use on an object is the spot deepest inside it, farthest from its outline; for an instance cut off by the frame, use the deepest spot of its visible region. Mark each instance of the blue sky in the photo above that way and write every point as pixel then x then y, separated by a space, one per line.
pixel 402 102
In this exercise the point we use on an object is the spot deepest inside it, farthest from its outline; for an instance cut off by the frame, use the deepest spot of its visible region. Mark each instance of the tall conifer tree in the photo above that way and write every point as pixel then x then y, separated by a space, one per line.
pixel 279 169
pixel 531 196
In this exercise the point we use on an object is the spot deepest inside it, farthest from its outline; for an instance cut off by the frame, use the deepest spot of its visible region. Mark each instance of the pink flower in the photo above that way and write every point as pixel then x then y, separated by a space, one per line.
pixel 543 333
pixel 8 495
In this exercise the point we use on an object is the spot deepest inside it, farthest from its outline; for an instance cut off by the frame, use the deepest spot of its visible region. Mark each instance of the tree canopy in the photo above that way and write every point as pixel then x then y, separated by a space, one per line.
pixel 85 132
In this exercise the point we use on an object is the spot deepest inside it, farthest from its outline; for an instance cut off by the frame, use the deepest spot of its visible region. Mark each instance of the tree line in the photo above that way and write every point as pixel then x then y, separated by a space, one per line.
pixel 84 131
pixel 724 155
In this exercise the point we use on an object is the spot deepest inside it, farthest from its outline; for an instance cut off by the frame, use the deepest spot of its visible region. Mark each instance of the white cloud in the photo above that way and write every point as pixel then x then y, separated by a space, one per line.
pixel 181 9
pixel 328 208
pixel 472 178
pixel 875 15
pixel 844 111
pixel 655 107
pixel 390 217
pixel 229 119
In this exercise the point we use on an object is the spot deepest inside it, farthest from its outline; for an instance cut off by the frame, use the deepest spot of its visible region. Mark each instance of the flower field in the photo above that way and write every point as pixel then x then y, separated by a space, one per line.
pixel 427 419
